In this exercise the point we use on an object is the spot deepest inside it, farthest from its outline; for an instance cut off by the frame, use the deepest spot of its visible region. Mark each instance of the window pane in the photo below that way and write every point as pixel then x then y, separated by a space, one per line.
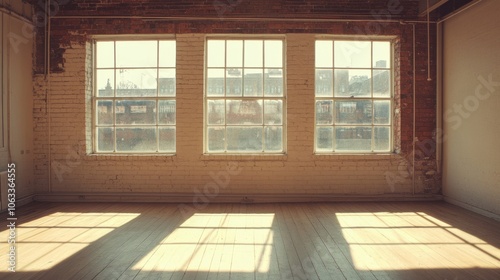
pixel 215 82
pixel 136 82
pixel 234 82
pixel 324 139
pixel 273 138
pixel 166 112
pixel 244 112
pixel 381 54
pixel 104 112
pixel 324 54
pixel 167 139
pixel 132 112
pixel 382 138
pixel 273 112
pixel 136 139
pixel 234 53
pixel 352 83
pixel 253 53
pixel 215 112
pixel 273 52
pixel 352 54
pixel 324 112
pixel 215 53
pixel 105 82
pixel 166 82
pixel 215 139
pixel 167 53
pixel 353 112
pixel 253 82
pixel 105 136
pixel 244 139
pixel 353 138
pixel 381 83
pixel 136 54
pixel 324 83
pixel 382 110
pixel 273 83
pixel 105 54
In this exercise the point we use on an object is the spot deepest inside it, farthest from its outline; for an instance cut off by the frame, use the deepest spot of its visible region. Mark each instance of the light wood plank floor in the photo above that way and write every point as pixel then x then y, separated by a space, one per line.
pixel 431 240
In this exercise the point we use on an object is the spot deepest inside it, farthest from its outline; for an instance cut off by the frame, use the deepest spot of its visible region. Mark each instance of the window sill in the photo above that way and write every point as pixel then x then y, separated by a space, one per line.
pixel 245 157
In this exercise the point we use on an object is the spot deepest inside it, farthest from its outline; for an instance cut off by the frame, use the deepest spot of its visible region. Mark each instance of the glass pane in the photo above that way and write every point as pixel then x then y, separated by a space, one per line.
pixel 382 111
pixel 105 136
pixel 136 82
pixel 273 139
pixel 352 83
pixel 167 139
pixel 381 83
pixel 253 53
pixel 131 112
pixel 273 112
pixel 273 83
pixel 104 112
pixel 381 54
pixel 324 83
pixel 253 82
pixel 215 82
pixel 382 138
pixel 136 54
pixel 234 53
pixel 136 139
pixel 215 53
pixel 166 112
pixel 234 82
pixel 353 112
pixel 215 112
pixel 105 82
pixel 167 53
pixel 352 54
pixel 244 139
pixel 353 138
pixel 324 54
pixel 244 112
pixel 273 53
pixel 216 137
pixel 324 112
pixel 324 139
pixel 166 82
pixel 105 54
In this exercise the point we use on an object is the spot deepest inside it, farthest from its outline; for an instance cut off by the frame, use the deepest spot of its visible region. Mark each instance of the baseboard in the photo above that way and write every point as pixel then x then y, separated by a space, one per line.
pixel 23 201
pixel 226 198
pixel 472 208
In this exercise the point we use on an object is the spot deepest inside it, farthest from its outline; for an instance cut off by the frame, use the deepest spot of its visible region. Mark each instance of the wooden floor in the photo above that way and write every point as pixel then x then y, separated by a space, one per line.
pixel 252 241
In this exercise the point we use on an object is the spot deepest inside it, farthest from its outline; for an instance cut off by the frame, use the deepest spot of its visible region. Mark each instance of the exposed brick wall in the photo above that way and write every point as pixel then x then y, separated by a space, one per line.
pixel 297 172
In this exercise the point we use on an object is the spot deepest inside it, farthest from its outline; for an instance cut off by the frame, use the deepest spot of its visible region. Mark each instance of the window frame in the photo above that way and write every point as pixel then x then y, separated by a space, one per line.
pixel 156 98
pixel 206 98
pixel 333 98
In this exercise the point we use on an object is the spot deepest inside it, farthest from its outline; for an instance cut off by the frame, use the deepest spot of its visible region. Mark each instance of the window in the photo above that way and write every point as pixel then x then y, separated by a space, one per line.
pixel 353 96
pixel 244 96
pixel 134 96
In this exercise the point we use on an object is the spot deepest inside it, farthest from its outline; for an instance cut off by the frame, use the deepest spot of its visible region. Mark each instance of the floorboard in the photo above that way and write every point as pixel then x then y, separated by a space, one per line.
pixel 384 240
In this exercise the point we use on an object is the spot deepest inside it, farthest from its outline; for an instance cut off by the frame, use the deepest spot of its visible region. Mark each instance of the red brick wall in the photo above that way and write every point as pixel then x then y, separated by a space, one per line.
pixel 69 37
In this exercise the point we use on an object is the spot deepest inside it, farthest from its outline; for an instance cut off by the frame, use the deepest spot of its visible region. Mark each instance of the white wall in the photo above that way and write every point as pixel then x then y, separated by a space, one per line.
pixel 17 93
pixel 471 101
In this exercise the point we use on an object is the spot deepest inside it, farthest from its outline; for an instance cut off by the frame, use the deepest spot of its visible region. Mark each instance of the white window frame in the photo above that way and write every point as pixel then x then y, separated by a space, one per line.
pixel 263 97
pixel 114 98
pixel 391 98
